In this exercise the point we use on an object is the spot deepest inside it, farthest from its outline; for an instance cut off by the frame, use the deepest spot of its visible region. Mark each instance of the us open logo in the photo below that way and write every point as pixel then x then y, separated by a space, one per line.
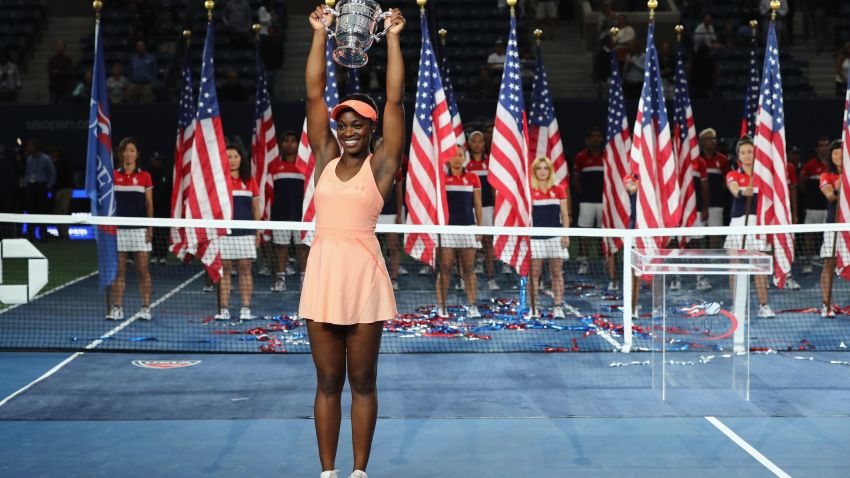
pixel 165 364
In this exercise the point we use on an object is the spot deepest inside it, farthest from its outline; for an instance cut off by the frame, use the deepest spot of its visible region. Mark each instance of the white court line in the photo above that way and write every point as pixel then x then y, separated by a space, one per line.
pixel 97 342
pixel 748 448
pixel 55 289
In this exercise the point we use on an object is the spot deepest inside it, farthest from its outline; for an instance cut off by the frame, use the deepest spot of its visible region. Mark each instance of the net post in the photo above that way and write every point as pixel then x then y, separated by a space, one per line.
pixel 628 304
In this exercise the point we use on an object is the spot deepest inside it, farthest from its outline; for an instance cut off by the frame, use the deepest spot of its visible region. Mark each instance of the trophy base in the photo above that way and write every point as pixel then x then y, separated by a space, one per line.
pixel 350 57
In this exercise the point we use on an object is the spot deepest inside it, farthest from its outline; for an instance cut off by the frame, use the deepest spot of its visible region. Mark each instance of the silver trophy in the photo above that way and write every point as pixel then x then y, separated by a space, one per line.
pixel 356 22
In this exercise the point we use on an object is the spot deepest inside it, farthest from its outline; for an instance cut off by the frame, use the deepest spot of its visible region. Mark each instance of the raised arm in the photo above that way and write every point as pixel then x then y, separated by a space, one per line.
pixel 322 141
pixel 387 158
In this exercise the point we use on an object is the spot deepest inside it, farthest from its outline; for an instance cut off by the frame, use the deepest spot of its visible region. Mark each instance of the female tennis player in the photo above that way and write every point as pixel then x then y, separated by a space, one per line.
pixel 830 186
pixel 241 245
pixel 463 197
pixel 549 209
pixel 347 293
pixel 133 198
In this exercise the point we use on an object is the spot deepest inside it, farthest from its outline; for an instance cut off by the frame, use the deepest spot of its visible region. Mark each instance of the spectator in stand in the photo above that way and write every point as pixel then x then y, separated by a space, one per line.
pixel 623 41
pixel 842 68
pixel 117 84
pixel 485 86
pixel 162 180
pixel 59 71
pixel 729 36
pixel 703 72
pixel 666 65
pixel 607 19
pixel 82 92
pixel 587 179
pixel 704 33
pixel 633 71
pixel 266 16
pixel 271 48
pixel 602 64
pixel 232 89
pixel 62 189
pixel 815 204
pixel 547 14
pixel 142 75
pixel 716 167
pixel 496 60
pixel 10 80
pixel 39 177
pixel 237 20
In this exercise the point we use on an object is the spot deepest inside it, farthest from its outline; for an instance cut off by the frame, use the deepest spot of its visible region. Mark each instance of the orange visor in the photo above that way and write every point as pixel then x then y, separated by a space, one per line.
pixel 360 107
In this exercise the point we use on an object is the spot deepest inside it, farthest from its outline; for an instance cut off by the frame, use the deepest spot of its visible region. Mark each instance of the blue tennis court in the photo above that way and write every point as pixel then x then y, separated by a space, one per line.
pixel 441 414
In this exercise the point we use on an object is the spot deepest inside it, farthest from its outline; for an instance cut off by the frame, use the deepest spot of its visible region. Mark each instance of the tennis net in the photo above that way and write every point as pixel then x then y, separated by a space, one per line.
pixel 577 305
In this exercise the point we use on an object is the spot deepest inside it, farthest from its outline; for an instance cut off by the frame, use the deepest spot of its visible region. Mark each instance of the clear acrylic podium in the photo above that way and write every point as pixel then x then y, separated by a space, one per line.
pixel 695 334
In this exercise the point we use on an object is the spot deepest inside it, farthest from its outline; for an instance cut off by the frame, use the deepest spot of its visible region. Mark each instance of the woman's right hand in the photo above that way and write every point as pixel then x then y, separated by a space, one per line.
pixel 319 15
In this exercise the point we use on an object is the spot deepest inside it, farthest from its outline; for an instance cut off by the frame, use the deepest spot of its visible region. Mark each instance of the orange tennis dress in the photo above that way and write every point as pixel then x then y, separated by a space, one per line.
pixel 346 281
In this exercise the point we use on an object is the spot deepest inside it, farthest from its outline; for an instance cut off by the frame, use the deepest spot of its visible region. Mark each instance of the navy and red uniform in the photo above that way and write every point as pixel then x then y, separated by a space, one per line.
pixel 482 170
pixel 288 191
pixel 739 203
pixel 244 193
pixel 814 201
pixel 130 194
pixel 546 208
pixel 459 198
pixel 716 168
pixel 590 168
pixel 834 180
pixel 627 180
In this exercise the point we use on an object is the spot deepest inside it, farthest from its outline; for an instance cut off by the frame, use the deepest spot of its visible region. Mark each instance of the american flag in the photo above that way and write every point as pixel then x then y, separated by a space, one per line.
pixel 509 164
pixel 210 192
pixel 353 83
pixel 432 145
pixel 445 72
pixel 99 176
pixel 616 206
pixel 842 244
pixel 544 138
pixel 264 149
pixel 305 162
pixel 751 98
pixel 183 158
pixel 769 169
pixel 685 142
pixel 658 203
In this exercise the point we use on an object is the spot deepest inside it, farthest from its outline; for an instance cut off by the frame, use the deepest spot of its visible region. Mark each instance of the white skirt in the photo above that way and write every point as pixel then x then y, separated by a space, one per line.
pixel 755 242
pixel 549 249
pixel 133 240
pixel 459 241
pixel 826 247
pixel 238 247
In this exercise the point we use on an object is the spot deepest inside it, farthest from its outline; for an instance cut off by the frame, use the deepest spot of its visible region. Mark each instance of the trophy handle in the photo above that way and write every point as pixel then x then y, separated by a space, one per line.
pixel 377 36
pixel 333 12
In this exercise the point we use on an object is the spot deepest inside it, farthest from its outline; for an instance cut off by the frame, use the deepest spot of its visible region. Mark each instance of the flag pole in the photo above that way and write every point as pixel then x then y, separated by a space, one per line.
pixel 532 288
pixel 831 278
pixel 98 5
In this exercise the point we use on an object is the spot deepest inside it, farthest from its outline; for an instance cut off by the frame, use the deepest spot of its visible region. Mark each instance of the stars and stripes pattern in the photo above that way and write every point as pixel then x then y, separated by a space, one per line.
pixel 509 166
pixel 445 73
pixel 769 169
pixel 544 137
pixel 842 244
pixel 264 147
pixel 99 178
pixel 432 145
pixel 685 142
pixel 182 158
pixel 210 193
pixel 353 83
pixel 658 202
pixel 304 161
pixel 751 98
pixel 616 206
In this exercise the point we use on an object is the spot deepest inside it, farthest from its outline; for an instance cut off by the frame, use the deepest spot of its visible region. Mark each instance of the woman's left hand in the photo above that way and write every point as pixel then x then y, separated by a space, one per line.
pixel 149 235
pixel 396 20
pixel 565 242
pixel 259 238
